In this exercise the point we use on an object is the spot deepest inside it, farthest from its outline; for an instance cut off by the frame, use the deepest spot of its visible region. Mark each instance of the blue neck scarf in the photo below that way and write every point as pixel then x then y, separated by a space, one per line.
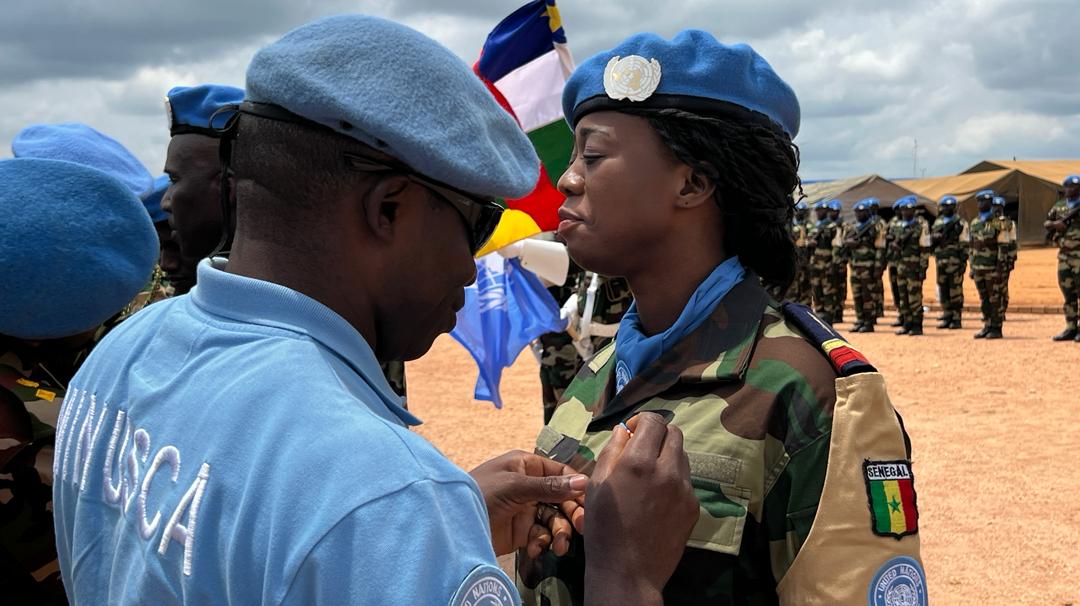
pixel 634 351
pixel 985 215
pixel 945 219
pixel 1072 203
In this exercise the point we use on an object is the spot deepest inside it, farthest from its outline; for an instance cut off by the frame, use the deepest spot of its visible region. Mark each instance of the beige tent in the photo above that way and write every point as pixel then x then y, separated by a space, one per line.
pixel 1030 188
pixel 850 191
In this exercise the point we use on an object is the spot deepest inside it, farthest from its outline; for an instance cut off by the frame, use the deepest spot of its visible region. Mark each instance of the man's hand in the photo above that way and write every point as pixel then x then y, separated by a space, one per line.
pixel 639 512
pixel 517 488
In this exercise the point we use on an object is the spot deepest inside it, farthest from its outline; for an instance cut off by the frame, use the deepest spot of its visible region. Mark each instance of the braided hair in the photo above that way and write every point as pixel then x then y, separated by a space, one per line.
pixel 755 171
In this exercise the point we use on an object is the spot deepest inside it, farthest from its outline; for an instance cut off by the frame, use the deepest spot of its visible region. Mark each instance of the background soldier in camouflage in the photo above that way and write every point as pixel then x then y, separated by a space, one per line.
pixel 1012 250
pixel 46 332
pixel 801 290
pixel 560 360
pixel 913 249
pixel 877 292
pixel 892 260
pixel 821 237
pixel 1063 223
pixel 988 258
pixel 864 240
pixel 952 242
pixel 839 261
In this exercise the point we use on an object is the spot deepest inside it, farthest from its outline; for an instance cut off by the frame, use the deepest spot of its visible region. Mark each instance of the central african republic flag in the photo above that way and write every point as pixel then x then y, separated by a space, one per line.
pixel 525 63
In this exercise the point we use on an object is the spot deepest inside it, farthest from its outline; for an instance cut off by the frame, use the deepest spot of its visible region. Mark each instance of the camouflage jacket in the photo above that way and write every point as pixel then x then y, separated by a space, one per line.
pixel 1068 241
pixel 754 399
pixel 820 241
pixel 841 253
pixel 883 229
pixel 892 234
pixel 913 244
pixel 951 239
pixel 613 298
pixel 30 398
pixel 988 244
pixel 865 241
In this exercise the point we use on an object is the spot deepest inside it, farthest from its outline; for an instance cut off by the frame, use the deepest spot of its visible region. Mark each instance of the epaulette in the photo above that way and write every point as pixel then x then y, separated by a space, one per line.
pixel 845 359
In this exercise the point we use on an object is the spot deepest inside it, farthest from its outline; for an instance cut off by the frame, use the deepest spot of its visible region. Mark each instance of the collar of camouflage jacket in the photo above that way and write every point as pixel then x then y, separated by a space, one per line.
pixel 717 351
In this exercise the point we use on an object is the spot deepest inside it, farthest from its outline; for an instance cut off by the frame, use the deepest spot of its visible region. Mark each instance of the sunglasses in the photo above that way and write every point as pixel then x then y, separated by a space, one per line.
pixel 481 214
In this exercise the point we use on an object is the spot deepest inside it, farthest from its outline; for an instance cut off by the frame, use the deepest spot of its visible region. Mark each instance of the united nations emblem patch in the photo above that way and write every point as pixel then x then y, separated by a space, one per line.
pixel 622 376
pixel 631 77
pixel 899 582
pixel 485 586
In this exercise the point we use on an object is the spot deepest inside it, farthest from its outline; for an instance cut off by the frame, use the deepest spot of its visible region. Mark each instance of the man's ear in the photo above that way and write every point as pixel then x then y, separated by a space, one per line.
pixel 695 188
pixel 381 205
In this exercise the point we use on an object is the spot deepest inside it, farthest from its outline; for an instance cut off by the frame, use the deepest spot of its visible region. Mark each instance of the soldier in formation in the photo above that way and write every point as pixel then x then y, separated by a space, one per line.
pixel 892 260
pixel 864 241
pixel 911 248
pixel 1063 223
pixel 951 241
pixel 1011 248
pixel 821 241
pixel 989 256
pixel 801 289
pixel 839 261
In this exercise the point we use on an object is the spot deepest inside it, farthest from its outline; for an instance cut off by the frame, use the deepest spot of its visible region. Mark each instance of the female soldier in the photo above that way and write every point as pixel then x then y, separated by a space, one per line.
pixel 681 180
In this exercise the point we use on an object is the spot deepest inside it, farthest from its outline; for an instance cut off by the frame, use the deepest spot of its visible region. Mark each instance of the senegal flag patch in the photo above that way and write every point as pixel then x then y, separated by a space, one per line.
pixel 890 487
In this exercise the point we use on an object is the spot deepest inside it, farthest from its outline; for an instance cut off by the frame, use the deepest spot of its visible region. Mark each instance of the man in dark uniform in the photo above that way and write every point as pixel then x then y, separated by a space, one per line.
pixel 48 324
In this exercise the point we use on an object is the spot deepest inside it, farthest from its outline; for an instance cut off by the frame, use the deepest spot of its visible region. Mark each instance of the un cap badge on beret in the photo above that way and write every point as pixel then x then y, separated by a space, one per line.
pixel 168 113
pixel 632 77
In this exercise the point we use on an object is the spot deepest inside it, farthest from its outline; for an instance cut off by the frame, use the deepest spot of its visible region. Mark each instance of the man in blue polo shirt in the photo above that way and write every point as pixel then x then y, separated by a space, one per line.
pixel 240 445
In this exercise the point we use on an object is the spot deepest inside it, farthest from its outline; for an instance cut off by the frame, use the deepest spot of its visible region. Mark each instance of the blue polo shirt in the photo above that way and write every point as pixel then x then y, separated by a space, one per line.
pixel 240 445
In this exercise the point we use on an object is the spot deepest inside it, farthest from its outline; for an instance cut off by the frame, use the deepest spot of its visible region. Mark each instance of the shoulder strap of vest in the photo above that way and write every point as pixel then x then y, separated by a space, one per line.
pixel 846 360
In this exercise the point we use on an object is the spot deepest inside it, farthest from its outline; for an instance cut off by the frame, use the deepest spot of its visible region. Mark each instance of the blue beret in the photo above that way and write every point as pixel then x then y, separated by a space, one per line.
pixel 801 205
pixel 998 201
pixel 402 93
pixel 835 205
pixel 153 201
pixel 872 202
pixel 907 202
pixel 77 247
pixel 986 193
pixel 947 201
pixel 1071 181
pixel 190 109
pixel 861 205
pixel 82 144
pixel 693 71
pixel 821 204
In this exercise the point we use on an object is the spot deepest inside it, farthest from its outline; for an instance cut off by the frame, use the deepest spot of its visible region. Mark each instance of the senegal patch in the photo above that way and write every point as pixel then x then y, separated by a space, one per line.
pixel 890 488
pixel 485 586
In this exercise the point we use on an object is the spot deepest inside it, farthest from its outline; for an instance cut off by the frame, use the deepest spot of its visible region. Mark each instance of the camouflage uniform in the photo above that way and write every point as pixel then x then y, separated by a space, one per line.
pixel 865 241
pixel 559 359
pixel 760 406
pixel 1068 260
pixel 988 258
pixel 1011 248
pixel 912 246
pixel 878 290
pixel 951 240
pixel 395 375
pixel 821 238
pixel 31 392
pixel 892 261
pixel 801 290
pixel 840 270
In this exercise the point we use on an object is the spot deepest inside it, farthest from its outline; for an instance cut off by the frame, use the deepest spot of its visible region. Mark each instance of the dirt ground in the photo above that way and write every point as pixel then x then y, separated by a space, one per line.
pixel 993 425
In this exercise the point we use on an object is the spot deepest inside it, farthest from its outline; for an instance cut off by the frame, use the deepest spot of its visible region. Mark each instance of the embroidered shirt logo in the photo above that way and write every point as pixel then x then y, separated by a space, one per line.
pixel 890 489
pixel 899 582
pixel 632 77
pixel 485 586
pixel 622 376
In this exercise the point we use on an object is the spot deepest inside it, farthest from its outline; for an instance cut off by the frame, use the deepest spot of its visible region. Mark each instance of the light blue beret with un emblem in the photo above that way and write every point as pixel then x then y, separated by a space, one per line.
pixel 998 201
pixel 907 202
pixel 985 194
pixel 81 144
pixel 835 205
pixel 77 247
pixel 402 93
pixel 1071 181
pixel 153 201
pixel 693 71
pixel 873 202
pixel 947 201
pixel 199 109
pixel 862 205
pixel 821 204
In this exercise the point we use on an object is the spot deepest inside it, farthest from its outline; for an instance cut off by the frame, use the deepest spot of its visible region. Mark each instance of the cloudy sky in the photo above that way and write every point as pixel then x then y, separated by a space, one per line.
pixel 968 79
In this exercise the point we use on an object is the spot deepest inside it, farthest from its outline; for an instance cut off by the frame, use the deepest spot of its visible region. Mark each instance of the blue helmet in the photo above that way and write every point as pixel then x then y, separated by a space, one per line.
pixel 906 202
pixel 835 205
pixel 862 205
pixel 802 205
pixel 873 203
pixel 821 204
pixel 947 201
pixel 1071 181
pixel 986 194
pixel 998 201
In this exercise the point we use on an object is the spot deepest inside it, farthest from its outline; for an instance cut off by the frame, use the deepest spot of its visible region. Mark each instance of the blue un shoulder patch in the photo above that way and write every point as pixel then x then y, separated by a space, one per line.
pixel 899 582
pixel 485 586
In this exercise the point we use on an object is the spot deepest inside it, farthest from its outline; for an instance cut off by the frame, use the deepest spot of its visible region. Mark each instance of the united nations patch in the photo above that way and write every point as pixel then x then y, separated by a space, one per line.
pixel 485 586
pixel 890 490
pixel 899 582
pixel 622 376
